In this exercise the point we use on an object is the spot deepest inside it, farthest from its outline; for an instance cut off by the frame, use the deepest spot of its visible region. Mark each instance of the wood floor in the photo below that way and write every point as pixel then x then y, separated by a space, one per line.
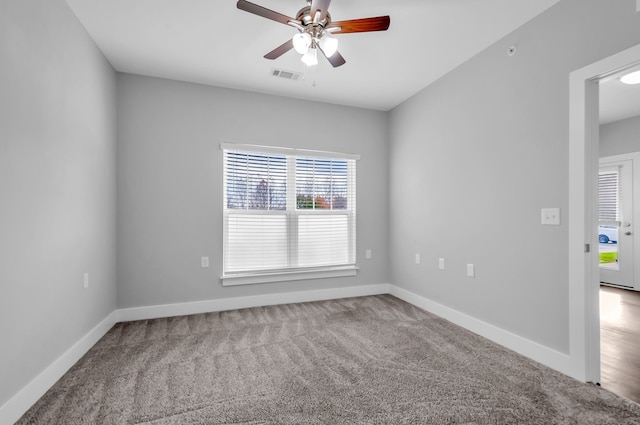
pixel 620 341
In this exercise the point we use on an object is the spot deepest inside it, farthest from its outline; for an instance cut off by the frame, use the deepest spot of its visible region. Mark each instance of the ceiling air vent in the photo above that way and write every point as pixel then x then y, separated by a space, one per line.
pixel 287 75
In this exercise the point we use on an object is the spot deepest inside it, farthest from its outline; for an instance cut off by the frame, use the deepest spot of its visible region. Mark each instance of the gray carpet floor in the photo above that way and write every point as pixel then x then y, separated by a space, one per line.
pixel 369 360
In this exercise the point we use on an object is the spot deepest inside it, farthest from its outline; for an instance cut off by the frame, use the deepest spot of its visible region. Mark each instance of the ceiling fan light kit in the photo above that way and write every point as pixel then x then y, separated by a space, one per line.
pixel 310 58
pixel 315 27
pixel 329 45
pixel 301 42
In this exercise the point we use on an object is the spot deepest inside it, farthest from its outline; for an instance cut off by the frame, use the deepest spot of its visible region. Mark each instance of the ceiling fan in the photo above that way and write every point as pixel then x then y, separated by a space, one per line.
pixel 315 30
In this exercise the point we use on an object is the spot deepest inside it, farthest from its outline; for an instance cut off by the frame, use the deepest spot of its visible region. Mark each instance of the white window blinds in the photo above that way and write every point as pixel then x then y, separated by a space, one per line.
pixel 287 210
pixel 609 195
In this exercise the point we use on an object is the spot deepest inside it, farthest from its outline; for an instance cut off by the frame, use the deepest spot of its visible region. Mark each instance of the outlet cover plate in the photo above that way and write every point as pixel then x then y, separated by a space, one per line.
pixel 471 270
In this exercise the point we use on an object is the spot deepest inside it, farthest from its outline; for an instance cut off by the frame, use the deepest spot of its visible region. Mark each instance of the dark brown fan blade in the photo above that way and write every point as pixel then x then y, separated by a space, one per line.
pixel 335 60
pixel 379 23
pixel 264 12
pixel 280 50
pixel 322 6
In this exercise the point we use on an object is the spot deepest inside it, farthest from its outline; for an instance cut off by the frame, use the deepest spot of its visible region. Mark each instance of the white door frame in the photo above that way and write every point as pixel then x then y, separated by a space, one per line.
pixel 584 315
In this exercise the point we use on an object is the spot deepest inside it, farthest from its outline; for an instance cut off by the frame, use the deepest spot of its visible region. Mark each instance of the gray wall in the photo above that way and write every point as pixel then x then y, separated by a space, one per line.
pixel 57 187
pixel 170 183
pixel 479 153
pixel 620 137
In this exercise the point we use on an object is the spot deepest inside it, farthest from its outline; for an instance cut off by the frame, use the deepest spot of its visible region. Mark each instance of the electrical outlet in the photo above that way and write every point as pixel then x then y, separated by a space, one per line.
pixel 204 262
pixel 367 254
pixel 471 270
pixel 441 263
pixel 86 280
pixel 417 258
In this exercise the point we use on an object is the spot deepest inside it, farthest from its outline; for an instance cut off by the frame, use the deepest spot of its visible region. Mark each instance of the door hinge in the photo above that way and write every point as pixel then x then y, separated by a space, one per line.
pixel 587 247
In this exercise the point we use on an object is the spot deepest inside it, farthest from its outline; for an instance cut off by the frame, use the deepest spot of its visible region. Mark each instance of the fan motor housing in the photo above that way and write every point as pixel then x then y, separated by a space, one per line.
pixel 304 16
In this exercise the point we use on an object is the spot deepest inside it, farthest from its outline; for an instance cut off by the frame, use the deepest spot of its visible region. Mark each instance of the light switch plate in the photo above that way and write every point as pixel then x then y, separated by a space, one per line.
pixel 551 216
pixel 441 263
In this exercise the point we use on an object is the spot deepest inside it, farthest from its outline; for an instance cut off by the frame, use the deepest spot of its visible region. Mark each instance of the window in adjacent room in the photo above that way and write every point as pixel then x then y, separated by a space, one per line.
pixel 288 214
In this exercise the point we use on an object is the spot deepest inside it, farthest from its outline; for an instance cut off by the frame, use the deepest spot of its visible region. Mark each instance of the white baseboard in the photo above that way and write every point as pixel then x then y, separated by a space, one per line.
pixel 540 353
pixel 12 410
pixel 196 307
pixel 17 405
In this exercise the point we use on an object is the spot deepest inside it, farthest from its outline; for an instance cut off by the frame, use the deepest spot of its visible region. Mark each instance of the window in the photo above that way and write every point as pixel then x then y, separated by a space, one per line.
pixel 288 214
pixel 610 208
pixel 609 194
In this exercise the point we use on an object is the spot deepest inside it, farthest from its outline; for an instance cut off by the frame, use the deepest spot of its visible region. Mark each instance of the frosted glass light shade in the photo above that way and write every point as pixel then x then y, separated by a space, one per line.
pixel 329 45
pixel 632 78
pixel 301 42
pixel 311 57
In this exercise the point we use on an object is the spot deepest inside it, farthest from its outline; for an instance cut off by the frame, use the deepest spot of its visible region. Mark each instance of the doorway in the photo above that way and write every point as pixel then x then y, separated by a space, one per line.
pixel 615 220
pixel 618 198
pixel 584 271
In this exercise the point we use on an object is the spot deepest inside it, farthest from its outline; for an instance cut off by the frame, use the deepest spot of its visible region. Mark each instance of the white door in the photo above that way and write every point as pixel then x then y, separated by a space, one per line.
pixel 615 224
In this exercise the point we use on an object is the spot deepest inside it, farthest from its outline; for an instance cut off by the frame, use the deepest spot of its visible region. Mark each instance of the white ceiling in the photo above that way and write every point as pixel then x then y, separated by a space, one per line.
pixel 617 100
pixel 212 42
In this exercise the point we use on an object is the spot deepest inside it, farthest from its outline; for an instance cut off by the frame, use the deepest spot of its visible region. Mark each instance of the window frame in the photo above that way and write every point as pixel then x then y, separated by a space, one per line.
pixel 291 273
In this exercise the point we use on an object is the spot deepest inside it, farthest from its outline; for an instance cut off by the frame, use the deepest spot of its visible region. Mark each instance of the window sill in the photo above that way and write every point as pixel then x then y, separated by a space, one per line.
pixel 284 276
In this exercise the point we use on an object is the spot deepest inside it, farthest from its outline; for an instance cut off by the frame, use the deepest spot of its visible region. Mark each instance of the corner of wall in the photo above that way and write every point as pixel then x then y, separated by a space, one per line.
pixel 18 405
